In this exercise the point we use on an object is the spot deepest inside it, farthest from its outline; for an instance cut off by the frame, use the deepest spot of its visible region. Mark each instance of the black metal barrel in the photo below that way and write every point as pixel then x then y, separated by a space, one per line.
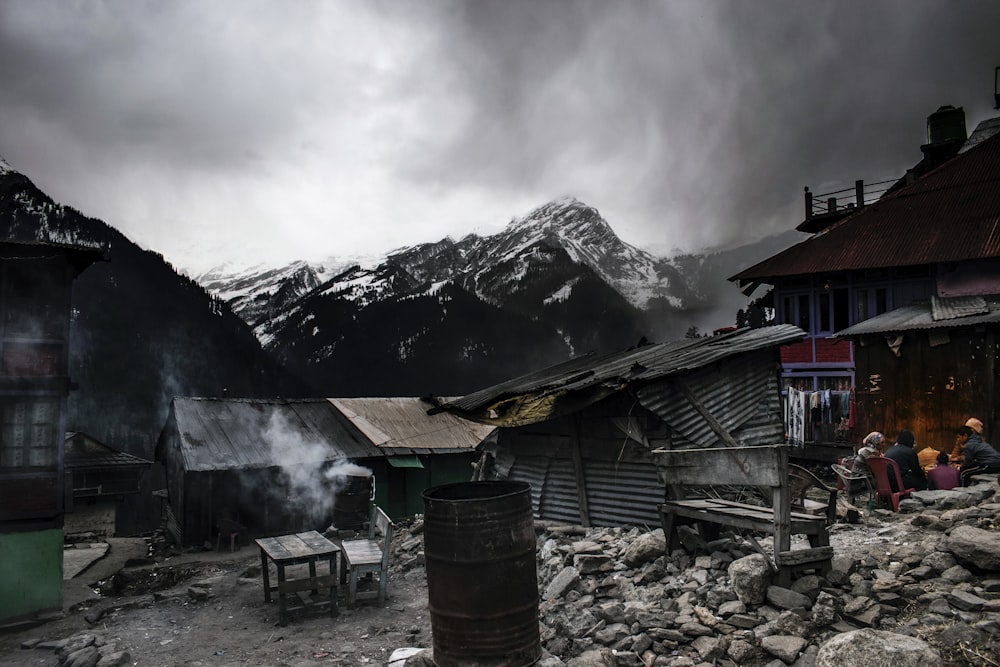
pixel 482 582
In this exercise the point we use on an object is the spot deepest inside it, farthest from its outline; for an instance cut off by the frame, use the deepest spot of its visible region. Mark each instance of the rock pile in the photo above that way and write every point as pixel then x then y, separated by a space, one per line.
pixel 913 590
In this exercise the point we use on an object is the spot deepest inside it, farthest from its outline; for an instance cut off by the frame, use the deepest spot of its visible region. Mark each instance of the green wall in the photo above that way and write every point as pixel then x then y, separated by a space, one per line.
pixel 31 573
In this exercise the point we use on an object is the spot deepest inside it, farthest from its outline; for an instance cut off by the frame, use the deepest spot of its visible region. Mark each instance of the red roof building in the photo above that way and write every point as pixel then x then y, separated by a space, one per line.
pixel 933 236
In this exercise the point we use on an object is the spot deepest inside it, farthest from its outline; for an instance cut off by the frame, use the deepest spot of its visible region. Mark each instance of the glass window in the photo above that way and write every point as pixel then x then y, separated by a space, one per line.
pixel 28 433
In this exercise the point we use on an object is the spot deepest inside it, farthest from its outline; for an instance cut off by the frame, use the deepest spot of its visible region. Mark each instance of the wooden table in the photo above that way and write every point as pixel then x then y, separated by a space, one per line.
pixel 300 548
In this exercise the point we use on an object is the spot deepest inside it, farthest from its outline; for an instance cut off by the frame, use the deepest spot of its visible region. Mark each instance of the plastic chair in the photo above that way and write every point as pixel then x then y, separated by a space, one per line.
pixel 847 481
pixel 882 468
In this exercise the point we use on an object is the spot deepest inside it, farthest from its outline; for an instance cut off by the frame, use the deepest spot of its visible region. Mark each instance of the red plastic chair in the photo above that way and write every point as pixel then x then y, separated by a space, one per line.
pixel 882 467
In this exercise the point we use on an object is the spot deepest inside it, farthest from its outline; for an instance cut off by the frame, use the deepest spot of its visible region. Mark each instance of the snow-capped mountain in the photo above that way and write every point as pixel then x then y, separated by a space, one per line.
pixel 492 267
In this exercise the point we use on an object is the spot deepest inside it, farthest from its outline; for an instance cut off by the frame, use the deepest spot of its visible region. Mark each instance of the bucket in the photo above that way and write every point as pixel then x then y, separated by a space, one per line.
pixel 482 582
pixel 351 501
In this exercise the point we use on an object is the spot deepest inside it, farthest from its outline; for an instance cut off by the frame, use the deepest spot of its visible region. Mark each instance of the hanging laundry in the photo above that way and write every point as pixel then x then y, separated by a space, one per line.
pixel 795 417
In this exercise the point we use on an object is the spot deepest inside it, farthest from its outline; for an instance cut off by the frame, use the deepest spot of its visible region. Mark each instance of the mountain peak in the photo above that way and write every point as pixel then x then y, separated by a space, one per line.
pixel 4 166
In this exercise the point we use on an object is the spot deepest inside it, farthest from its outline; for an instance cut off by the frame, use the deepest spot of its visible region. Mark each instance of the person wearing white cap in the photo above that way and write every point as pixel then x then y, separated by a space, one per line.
pixel 981 458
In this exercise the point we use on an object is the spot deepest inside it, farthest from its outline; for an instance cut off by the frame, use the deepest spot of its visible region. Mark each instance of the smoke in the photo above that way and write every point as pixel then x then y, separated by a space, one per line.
pixel 313 473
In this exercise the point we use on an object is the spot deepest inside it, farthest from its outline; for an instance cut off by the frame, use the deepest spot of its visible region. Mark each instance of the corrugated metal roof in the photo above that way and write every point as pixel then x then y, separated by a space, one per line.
pixel 940 313
pixel 402 426
pixel 83 452
pixel 603 374
pixel 218 434
pixel 951 214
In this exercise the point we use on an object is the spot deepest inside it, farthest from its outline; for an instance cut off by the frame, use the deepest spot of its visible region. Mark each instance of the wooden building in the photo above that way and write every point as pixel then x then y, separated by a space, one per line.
pixel 99 480
pixel 277 466
pixel 581 432
pixel 931 239
pixel 35 289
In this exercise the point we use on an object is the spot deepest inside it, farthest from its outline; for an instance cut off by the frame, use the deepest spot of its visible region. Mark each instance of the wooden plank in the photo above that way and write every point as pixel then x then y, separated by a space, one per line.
pixel 713 466
pixel 326 581
pixel 713 423
pixel 581 482
pixel 802 556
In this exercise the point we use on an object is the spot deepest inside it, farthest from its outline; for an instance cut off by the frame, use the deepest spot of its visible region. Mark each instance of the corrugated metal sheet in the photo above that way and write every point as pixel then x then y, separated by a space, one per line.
pixel 743 396
pixel 622 493
pixel 612 372
pixel 920 317
pixel 951 308
pixel 531 469
pixel 951 214
pixel 559 498
pixel 402 426
pixel 217 434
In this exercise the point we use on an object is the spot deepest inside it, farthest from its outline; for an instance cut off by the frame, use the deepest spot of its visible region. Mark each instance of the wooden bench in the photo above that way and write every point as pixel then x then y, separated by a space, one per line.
pixel 765 467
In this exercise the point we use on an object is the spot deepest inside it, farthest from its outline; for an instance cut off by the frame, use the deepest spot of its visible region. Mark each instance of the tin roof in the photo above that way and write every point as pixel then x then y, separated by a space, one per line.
pixel 84 452
pixel 589 378
pixel 938 313
pixel 951 214
pixel 400 426
pixel 217 434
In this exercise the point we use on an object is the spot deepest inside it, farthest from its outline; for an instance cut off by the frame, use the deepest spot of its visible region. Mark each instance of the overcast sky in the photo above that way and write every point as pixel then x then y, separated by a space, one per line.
pixel 271 131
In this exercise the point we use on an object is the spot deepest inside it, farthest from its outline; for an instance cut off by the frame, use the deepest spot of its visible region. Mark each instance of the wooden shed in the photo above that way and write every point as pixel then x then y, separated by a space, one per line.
pixel 581 433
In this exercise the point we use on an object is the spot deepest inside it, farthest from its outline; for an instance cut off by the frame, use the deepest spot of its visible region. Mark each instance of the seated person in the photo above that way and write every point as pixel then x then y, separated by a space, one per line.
pixel 928 457
pixel 870 446
pixel 980 457
pixel 943 477
pixel 909 465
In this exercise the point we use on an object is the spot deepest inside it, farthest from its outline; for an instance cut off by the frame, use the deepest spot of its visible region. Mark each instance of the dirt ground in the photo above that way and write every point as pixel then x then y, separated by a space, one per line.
pixel 143 606
pixel 155 618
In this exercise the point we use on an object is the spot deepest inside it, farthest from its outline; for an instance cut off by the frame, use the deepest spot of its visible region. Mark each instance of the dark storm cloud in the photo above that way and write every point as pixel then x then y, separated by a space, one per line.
pixel 335 126
pixel 715 114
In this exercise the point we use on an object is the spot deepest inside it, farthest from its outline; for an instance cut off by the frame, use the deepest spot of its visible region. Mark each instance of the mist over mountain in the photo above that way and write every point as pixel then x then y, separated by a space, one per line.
pixel 449 317
pixel 140 332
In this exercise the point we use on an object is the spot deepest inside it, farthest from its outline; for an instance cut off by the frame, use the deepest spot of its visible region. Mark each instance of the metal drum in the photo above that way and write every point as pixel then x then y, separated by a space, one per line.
pixel 482 582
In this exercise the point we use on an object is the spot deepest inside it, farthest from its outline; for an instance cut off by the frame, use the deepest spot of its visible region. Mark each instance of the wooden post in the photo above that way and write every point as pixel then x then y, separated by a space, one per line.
pixel 581 482
pixel 713 423
pixel 809 204
pixel 859 193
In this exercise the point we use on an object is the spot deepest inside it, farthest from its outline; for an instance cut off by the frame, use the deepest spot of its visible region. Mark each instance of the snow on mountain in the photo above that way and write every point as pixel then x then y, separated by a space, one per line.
pixel 4 166
pixel 492 267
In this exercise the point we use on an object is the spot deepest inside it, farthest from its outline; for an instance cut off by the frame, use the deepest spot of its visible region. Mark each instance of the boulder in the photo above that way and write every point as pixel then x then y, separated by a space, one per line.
pixel 645 548
pixel 876 648
pixel 974 545
pixel 750 577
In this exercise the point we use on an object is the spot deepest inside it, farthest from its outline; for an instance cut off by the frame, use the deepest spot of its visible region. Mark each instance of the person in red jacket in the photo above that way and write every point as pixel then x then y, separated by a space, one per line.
pixel 943 476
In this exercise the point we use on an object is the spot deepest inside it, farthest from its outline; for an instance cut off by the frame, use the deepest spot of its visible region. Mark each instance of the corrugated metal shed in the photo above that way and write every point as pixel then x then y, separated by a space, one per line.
pixel 951 214
pixel 939 313
pixel 576 383
pixel 219 434
pixel 401 426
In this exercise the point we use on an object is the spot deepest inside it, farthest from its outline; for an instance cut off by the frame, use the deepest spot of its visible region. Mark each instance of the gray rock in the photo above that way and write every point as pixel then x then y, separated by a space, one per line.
pixel 590 563
pixel 602 657
pixel 939 561
pixel 875 648
pixel 709 648
pixel 645 548
pixel 83 657
pixel 784 647
pixel 750 577
pixel 784 598
pixel 956 574
pixel 740 651
pixel 976 546
pixel 965 601
pixel 567 578
pixel 116 659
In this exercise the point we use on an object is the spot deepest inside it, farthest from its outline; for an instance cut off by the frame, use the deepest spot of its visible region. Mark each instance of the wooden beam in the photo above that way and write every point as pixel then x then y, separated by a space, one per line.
pixel 581 482
pixel 713 423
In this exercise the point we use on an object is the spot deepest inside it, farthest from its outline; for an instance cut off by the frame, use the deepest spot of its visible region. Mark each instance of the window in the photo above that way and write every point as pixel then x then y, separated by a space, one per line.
pixel 795 310
pixel 871 302
pixel 28 433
